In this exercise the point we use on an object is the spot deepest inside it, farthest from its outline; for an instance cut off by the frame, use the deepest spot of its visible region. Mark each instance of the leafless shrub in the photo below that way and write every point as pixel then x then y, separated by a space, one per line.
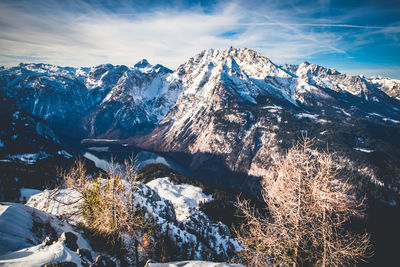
pixel 108 206
pixel 309 209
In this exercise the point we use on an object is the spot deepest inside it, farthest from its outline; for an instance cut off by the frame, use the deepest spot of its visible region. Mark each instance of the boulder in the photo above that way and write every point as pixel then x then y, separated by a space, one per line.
pixel 70 240
pixel 103 261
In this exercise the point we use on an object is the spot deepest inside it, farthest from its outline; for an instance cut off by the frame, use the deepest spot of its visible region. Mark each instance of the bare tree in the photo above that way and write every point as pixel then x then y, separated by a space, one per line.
pixel 108 205
pixel 139 227
pixel 309 207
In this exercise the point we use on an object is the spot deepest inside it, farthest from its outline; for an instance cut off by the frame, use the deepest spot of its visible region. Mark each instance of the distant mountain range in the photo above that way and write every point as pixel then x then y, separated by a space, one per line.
pixel 225 114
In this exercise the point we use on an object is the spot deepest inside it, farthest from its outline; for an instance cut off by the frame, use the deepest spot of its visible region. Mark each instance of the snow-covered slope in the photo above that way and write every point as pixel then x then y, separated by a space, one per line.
pixel 22 240
pixel 232 110
pixel 192 264
pixel 105 100
pixel 176 212
pixel 30 238
pixel 238 110
pixel 40 255
pixel 30 151
pixel 140 98
pixel 390 86
pixel 184 197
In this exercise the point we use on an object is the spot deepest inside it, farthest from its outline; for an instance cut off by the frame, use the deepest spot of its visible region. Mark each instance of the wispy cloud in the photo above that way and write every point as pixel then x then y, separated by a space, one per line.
pixel 316 25
pixel 77 33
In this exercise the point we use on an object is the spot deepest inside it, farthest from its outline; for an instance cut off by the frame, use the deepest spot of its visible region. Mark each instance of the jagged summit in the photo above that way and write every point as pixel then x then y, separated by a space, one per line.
pixel 224 114
pixel 234 101
pixel 237 73
pixel 142 64
pixel 141 96
pixel 250 61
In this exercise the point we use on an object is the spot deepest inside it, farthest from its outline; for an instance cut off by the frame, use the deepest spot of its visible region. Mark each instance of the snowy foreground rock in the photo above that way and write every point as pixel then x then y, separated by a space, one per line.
pixel 34 234
pixel 192 264
pixel 23 232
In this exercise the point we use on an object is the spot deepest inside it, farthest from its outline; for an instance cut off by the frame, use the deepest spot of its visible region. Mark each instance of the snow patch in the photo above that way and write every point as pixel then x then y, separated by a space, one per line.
pixel 99 148
pixel 391 120
pixel 40 255
pixel 100 163
pixel 183 197
pixel 312 117
pixel 193 264
pixel 64 153
pixel 29 158
pixel 365 150
pixel 15 225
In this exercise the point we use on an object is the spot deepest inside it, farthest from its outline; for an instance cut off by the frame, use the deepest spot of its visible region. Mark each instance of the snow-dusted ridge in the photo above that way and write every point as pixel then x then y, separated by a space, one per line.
pixel 176 212
pixel 211 105
pixel 23 228
pixel 193 264
pixel 184 197
pixel 224 110
pixel 82 97
pixel 139 97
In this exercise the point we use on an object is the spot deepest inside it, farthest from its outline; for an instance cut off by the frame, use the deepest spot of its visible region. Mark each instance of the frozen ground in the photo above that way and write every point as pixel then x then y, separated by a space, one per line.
pixel 183 197
pixel 22 230
pixel 193 264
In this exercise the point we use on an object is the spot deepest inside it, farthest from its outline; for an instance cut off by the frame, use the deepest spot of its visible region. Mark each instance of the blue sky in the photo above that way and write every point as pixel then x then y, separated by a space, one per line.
pixel 360 37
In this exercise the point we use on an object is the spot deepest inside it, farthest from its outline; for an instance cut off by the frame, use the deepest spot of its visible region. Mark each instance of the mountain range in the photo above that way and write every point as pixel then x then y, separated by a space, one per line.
pixel 225 114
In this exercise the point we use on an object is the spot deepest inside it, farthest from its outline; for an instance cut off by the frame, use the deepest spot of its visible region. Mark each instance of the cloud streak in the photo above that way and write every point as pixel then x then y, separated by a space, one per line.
pixel 318 25
pixel 79 33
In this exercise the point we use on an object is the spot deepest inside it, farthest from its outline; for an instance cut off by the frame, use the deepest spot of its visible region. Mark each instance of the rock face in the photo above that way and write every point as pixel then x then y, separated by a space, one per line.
pixel 136 103
pixel 238 110
pixel 390 86
pixel 223 113
pixel 102 101
pixel 70 240
pixel 24 242
pixel 30 151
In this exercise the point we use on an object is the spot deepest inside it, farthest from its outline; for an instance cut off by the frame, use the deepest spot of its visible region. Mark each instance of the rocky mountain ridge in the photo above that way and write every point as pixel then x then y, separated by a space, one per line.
pixel 239 110
pixel 194 235
pixel 86 102
pixel 232 110
pixel 224 115
pixel 120 101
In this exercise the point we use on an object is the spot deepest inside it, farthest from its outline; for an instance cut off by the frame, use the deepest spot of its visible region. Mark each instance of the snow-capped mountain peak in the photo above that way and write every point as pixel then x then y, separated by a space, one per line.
pixel 142 64
pixel 305 69
pixel 120 101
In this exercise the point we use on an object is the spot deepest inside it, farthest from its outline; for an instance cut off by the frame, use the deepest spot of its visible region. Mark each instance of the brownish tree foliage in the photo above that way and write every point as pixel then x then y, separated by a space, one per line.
pixel 309 207
pixel 109 209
